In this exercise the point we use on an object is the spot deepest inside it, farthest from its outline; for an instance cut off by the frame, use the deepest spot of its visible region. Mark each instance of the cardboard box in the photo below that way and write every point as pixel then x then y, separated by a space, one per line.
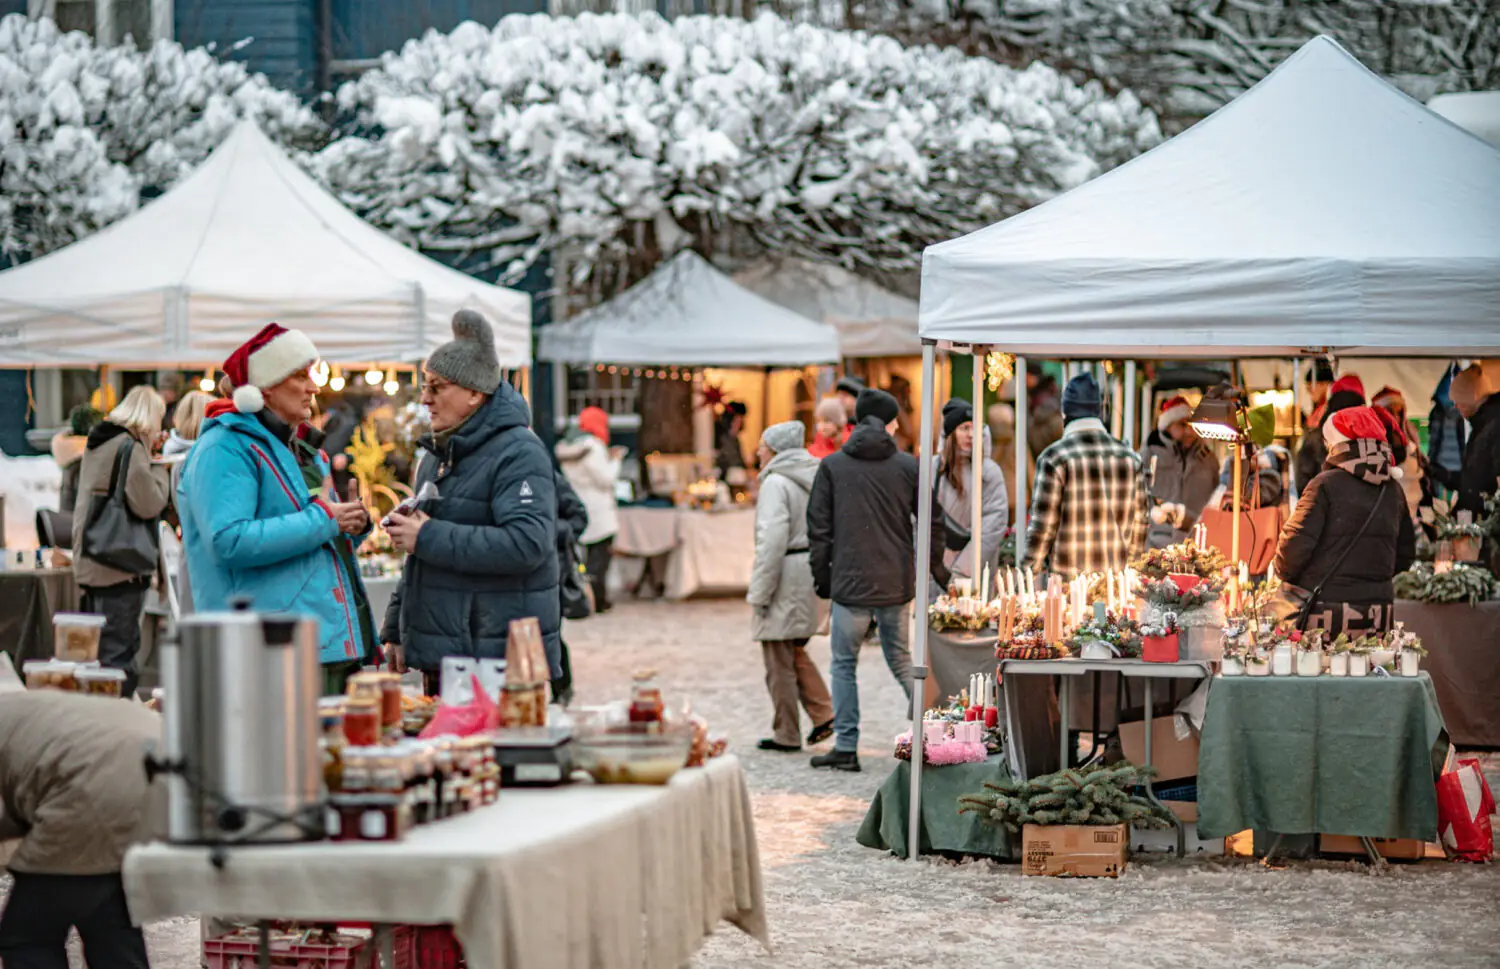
pixel 1185 810
pixel 1081 850
pixel 1164 841
pixel 1173 759
pixel 1395 849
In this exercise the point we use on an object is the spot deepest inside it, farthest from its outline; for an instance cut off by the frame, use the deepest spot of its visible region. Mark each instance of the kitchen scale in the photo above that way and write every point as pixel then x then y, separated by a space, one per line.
pixel 534 756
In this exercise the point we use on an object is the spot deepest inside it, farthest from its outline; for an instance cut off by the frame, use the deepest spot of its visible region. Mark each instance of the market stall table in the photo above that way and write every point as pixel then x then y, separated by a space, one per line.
pixel 574 877
pixel 708 552
pixel 1020 741
pixel 943 829
pixel 28 600
pixel 1292 755
pixel 1463 646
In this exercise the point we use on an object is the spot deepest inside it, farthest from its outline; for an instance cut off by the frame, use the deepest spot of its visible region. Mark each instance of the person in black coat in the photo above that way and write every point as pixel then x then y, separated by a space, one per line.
pixel 860 533
pixel 484 552
pixel 1479 403
pixel 1327 542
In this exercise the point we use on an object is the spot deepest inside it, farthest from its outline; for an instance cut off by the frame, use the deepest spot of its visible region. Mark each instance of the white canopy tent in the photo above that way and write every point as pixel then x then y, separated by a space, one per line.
pixel 1476 111
pixel 246 239
pixel 871 320
pixel 690 314
pixel 1320 211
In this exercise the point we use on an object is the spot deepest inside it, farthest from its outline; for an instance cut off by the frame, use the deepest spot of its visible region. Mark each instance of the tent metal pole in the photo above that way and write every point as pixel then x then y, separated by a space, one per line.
pixel 1128 398
pixel 1023 483
pixel 1296 423
pixel 1146 402
pixel 925 512
pixel 976 461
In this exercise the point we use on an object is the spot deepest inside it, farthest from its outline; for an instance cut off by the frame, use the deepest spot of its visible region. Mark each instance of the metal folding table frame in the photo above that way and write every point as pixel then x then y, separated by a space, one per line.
pixel 1128 668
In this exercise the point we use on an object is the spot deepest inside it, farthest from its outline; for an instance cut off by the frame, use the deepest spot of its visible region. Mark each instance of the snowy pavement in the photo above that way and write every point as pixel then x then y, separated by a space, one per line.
pixel 834 904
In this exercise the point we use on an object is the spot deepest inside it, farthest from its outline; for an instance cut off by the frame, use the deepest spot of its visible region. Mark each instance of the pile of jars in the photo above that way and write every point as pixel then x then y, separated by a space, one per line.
pixel 379 783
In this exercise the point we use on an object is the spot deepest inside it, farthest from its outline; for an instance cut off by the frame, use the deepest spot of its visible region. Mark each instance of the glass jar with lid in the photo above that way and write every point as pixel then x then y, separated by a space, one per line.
pixel 646 704
pixel 362 721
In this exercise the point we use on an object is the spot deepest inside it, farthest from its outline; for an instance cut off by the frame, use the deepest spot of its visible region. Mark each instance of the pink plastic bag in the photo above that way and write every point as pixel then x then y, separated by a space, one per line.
pixel 476 716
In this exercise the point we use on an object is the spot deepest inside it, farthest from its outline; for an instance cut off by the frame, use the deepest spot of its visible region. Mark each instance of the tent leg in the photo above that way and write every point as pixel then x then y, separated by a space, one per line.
pixel 1023 482
pixel 1128 398
pixel 919 622
pixel 1296 423
pixel 1234 539
pixel 976 461
pixel 1146 401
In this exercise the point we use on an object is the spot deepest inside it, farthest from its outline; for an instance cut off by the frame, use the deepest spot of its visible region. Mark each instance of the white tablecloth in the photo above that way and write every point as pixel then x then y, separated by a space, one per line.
pixel 580 877
pixel 708 551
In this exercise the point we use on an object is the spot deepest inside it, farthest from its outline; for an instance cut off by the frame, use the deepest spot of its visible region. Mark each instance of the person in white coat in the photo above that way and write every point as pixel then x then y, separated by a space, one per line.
pixel 786 612
pixel 591 467
pixel 955 481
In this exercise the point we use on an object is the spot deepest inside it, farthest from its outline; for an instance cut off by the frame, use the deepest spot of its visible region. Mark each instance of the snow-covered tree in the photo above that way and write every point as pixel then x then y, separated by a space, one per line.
pixel 602 135
pixel 1188 57
pixel 85 130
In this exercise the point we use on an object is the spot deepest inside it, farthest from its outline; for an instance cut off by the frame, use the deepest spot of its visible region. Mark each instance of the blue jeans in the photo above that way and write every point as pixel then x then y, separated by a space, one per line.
pixel 851 625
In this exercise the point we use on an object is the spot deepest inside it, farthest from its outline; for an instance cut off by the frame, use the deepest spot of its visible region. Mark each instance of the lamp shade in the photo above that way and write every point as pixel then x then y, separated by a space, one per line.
pixel 1216 419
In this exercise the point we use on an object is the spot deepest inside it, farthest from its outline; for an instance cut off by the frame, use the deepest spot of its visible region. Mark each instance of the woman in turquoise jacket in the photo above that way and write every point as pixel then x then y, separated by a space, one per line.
pixel 252 527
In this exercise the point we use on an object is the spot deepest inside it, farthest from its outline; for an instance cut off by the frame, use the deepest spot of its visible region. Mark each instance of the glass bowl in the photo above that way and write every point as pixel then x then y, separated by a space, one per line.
pixel 612 752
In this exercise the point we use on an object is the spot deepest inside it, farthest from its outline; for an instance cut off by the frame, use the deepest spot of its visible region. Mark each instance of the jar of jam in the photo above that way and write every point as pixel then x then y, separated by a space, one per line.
pixel 332 742
pixel 365 686
pixel 646 705
pixel 390 702
pixel 362 721
pixel 443 777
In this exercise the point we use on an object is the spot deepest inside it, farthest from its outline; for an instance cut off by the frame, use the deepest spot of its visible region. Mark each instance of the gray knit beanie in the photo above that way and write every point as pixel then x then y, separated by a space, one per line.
pixel 786 436
pixel 468 360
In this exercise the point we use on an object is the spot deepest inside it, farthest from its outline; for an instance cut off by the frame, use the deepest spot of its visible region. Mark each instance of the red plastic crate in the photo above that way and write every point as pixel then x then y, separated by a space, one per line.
pixel 241 950
pixel 427 947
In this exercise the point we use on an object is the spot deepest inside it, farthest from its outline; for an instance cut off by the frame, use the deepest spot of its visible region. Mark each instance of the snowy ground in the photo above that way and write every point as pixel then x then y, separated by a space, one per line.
pixel 835 904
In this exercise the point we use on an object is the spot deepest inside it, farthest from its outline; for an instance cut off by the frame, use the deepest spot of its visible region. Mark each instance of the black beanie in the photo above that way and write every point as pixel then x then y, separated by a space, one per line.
pixel 1081 398
pixel 850 385
pixel 877 404
pixel 957 411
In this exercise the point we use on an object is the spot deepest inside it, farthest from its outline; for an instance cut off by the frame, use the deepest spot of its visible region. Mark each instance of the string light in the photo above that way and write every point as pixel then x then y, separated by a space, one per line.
pixel 374 376
pixel 336 382
pixel 392 385
pixel 998 368
pixel 207 383
pixel 319 373
pixel 646 373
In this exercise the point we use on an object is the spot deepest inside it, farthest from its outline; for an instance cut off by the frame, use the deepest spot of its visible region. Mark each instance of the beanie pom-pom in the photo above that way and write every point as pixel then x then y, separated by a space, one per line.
pixel 1397 473
pixel 248 399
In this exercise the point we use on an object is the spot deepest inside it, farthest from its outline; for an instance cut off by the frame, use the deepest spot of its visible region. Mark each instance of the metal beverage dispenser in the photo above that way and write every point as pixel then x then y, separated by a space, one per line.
pixel 240 753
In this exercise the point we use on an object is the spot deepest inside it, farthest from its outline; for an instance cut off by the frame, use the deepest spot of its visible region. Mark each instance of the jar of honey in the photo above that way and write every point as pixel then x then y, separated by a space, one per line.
pixel 362 721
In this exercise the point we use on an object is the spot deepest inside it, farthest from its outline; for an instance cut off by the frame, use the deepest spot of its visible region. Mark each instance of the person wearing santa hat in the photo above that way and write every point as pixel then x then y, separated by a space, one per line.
pixel 1351 531
pixel 1406 446
pixel 1347 391
pixel 252 525
pixel 1182 472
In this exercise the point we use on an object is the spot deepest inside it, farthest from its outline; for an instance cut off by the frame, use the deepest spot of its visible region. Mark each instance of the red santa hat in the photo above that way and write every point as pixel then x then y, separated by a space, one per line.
pixel 1353 423
pixel 1348 382
pixel 265 360
pixel 1174 410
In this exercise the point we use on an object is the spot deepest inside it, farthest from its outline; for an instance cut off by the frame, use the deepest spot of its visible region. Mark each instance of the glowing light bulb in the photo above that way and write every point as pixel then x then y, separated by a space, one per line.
pixel 206 385
pixel 373 376
pixel 319 373
pixel 336 383
pixel 390 388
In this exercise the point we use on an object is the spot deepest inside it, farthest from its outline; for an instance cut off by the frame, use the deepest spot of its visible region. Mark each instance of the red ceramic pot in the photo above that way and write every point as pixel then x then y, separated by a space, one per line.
pixel 1160 649
pixel 1184 582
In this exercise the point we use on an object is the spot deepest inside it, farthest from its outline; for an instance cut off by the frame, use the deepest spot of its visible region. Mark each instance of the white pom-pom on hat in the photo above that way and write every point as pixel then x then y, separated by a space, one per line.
pixel 248 399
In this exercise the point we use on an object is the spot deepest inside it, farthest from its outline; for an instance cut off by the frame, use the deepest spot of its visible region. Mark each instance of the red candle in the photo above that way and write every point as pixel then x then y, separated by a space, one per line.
pixel 991 716
pixel 971 713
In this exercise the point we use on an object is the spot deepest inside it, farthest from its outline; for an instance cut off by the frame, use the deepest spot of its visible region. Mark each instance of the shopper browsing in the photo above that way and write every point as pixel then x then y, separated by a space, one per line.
pixel 1183 474
pixel 860 529
pixel 785 609
pixel 485 551
pixel 258 516
pixel 953 469
pixel 1088 511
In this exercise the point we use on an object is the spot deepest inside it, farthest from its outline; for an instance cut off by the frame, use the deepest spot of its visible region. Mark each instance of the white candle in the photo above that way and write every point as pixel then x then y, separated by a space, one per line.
pixel 984 585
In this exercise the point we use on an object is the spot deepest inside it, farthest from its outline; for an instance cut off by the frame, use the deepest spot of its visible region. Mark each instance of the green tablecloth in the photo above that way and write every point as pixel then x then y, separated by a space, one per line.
pixel 943 828
pixel 1330 755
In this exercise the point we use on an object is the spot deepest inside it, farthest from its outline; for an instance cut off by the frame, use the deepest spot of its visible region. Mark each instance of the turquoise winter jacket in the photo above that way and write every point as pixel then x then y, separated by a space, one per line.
pixel 250 528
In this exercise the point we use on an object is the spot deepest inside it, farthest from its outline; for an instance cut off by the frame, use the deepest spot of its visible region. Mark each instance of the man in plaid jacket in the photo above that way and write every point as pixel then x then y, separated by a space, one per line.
pixel 1089 506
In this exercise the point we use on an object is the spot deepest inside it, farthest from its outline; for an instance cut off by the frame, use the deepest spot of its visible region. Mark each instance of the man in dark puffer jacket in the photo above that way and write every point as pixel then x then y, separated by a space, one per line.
pixel 861 520
pixel 487 554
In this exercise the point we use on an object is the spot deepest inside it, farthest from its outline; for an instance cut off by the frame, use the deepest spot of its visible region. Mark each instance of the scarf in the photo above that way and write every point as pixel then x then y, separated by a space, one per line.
pixel 1366 459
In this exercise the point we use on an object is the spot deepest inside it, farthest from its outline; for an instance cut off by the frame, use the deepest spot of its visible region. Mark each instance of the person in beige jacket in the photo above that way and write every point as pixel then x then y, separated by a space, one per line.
pixel 119 596
pixel 786 611
pixel 73 788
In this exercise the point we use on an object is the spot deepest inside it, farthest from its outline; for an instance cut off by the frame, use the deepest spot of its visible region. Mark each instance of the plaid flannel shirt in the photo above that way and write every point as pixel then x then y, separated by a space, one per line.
pixel 1089 506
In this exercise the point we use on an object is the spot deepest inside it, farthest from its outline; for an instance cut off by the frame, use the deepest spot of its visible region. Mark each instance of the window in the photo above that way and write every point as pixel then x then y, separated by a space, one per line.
pixel 615 392
pixel 110 21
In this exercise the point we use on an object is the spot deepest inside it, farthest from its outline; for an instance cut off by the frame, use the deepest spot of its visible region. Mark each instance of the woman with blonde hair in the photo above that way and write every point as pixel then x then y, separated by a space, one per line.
pixel 133 426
